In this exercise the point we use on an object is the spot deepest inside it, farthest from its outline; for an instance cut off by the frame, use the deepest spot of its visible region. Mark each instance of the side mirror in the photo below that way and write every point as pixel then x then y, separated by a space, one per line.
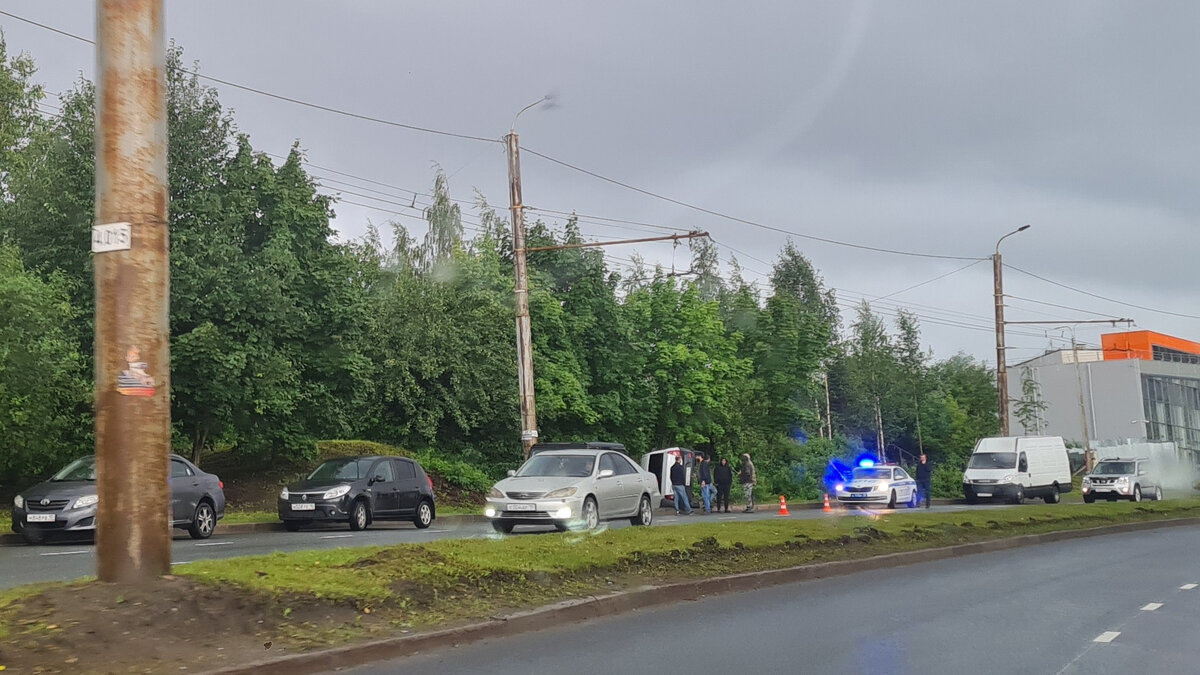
pixel 377 479
pixel 605 473
pixel 512 472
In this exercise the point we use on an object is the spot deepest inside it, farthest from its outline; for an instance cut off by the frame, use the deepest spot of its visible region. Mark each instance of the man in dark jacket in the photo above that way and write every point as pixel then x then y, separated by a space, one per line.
pixel 925 479
pixel 704 466
pixel 679 487
pixel 723 479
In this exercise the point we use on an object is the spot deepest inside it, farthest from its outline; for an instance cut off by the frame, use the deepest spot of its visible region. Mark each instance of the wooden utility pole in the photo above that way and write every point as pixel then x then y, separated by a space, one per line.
pixel 529 430
pixel 1001 366
pixel 129 242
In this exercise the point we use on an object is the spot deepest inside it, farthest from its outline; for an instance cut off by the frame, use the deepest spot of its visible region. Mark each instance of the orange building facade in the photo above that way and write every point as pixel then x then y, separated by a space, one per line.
pixel 1149 346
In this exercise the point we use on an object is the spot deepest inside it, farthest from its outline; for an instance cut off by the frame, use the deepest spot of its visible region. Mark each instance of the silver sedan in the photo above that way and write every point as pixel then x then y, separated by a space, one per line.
pixel 573 488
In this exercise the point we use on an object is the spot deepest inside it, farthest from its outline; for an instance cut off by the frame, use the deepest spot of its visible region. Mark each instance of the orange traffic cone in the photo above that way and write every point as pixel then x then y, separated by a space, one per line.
pixel 783 506
pixel 827 508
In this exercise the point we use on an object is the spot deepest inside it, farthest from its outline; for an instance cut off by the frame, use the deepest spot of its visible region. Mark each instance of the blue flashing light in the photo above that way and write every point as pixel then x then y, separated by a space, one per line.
pixel 866 462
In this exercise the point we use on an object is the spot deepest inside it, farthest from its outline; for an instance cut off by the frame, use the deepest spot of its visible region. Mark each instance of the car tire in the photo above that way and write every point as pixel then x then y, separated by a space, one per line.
pixel 892 500
pixel 502 528
pixel 1054 497
pixel 913 502
pixel 1158 495
pixel 562 527
pixel 971 498
pixel 424 517
pixel 204 521
pixel 589 517
pixel 645 514
pixel 292 525
pixel 1019 496
pixel 359 517
pixel 1137 494
pixel 1089 499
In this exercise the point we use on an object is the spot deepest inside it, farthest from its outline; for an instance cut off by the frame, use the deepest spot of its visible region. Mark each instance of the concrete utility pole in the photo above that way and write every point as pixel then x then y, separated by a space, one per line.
pixel 1088 462
pixel 133 414
pixel 1001 368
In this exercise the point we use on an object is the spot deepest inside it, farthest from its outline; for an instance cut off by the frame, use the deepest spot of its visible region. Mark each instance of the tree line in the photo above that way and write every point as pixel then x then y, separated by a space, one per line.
pixel 283 334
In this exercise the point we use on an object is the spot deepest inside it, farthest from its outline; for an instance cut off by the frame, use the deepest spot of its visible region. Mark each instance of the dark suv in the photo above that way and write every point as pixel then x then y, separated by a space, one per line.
pixel 359 491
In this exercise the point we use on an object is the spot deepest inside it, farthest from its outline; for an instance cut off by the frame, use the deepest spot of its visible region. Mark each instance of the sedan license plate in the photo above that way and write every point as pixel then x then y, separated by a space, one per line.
pixel 304 507
pixel 522 507
pixel 39 518
pixel 983 494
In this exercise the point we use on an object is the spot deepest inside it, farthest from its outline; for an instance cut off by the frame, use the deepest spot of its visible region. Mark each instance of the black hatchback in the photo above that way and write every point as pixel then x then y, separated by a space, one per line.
pixel 359 491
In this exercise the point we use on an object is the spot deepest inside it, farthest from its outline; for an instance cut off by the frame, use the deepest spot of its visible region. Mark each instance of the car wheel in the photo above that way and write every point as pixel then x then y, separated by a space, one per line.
pixel 203 522
pixel 292 525
pixel 1157 494
pixel 424 516
pixel 645 514
pixel 912 500
pixel 1019 496
pixel 503 528
pixel 892 500
pixel 1054 497
pixel 591 514
pixel 359 516
pixel 971 498
pixel 1137 494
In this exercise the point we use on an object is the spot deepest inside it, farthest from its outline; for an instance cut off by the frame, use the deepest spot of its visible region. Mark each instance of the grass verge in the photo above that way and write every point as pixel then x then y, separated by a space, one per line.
pixel 299 601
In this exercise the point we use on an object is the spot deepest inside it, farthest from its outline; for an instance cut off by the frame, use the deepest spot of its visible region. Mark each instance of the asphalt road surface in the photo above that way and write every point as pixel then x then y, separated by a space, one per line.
pixel 1112 604
pixel 22 564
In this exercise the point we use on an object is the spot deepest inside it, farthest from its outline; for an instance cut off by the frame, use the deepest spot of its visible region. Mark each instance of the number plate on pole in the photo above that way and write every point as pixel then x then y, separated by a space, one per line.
pixel 111 237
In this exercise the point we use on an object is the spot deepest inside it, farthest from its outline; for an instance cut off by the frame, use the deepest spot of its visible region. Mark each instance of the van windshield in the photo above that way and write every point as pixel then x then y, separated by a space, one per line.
pixel 993 460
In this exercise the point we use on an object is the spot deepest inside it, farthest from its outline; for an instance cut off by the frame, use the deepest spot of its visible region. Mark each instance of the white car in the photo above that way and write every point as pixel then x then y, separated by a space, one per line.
pixel 573 488
pixel 879 484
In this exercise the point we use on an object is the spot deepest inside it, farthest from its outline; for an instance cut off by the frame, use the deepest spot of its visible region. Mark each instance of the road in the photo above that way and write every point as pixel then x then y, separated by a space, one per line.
pixel 63 561
pixel 1113 604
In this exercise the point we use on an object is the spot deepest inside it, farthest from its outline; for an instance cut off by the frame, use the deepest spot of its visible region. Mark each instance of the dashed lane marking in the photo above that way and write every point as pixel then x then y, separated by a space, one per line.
pixel 182 562
pixel 1107 636
pixel 66 552
pixel 337 536
pixel 1187 587
pixel 1151 606
pixel 215 543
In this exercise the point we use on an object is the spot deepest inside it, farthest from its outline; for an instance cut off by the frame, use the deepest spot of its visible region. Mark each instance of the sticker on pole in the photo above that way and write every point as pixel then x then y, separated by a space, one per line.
pixel 134 380
pixel 111 237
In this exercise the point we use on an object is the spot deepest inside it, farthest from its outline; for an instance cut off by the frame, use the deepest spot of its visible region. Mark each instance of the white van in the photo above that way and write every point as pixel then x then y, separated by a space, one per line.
pixel 1016 467
pixel 659 462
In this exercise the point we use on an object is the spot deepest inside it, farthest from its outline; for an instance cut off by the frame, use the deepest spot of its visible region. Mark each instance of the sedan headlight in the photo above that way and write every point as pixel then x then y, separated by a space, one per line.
pixel 86 501
pixel 560 493
pixel 19 502
pixel 882 487
pixel 496 494
pixel 339 491
pixel 283 494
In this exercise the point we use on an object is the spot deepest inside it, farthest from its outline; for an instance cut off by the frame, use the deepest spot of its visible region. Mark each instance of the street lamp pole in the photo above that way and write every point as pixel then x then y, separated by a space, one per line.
pixel 1001 367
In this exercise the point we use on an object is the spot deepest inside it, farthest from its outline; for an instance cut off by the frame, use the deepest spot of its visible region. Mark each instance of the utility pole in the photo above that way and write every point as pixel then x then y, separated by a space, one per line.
pixel 1001 368
pixel 1087 442
pixel 529 430
pixel 129 242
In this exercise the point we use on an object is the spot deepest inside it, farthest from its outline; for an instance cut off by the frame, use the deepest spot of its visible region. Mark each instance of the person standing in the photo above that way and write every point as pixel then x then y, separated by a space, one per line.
pixel 925 479
pixel 748 478
pixel 706 482
pixel 723 480
pixel 679 487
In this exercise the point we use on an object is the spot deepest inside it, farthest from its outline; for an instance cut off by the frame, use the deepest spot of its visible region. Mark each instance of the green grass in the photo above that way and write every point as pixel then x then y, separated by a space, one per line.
pixel 5 521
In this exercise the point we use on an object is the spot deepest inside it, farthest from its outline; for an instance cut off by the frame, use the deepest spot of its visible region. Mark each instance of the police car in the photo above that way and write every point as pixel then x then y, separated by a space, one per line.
pixel 878 484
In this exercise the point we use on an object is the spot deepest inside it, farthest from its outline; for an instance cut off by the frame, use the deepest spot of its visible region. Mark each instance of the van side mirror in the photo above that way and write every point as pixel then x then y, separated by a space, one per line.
pixel 605 473
pixel 512 472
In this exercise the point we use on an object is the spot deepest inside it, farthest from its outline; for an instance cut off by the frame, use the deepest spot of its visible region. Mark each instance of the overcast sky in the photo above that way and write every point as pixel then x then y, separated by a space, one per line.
pixel 932 127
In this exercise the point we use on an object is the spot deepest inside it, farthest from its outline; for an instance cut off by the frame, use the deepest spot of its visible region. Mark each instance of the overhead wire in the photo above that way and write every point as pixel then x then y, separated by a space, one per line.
pixel 1101 297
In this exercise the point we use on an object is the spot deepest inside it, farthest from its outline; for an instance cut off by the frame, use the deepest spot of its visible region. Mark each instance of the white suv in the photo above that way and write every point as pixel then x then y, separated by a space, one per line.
pixel 1118 478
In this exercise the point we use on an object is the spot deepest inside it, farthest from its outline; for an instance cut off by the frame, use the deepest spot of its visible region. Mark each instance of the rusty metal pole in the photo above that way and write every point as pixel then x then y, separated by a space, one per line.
pixel 1001 366
pixel 133 416
pixel 529 431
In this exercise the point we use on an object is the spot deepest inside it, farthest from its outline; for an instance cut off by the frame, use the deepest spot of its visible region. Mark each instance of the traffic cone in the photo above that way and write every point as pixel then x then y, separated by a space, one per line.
pixel 827 508
pixel 783 506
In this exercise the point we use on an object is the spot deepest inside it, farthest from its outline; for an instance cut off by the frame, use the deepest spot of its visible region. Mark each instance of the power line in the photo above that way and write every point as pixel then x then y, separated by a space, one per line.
pixel 280 97
pixel 744 221
pixel 930 281
pixel 1051 304
pixel 1101 297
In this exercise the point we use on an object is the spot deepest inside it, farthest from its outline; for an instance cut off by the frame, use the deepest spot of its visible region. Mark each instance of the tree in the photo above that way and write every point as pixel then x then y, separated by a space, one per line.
pixel 912 361
pixel 19 119
pixel 445 224
pixel 1030 409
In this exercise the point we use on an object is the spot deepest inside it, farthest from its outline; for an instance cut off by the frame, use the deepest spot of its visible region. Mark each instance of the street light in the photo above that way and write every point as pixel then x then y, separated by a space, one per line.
pixel 1001 368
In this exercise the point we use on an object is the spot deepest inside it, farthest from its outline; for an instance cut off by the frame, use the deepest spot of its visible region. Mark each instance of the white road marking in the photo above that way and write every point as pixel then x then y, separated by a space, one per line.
pixel 65 552
pixel 215 543
pixel 727 518
pixel 1187 587
pixel 182 562
pixel 1151 606
pixel 337 536
pixel 1108 636
pixel 434 531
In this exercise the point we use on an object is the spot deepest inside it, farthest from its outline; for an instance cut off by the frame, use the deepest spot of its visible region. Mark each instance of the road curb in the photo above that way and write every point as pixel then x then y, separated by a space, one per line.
pixel 594 607
pixel 10 539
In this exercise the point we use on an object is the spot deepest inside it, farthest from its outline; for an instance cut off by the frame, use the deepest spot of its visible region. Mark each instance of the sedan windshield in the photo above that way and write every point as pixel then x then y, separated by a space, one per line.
pixel 574 466
pixel 993 460
pixel 81 469
pixel 1113 468
pixel 872 474
pixel 342 469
